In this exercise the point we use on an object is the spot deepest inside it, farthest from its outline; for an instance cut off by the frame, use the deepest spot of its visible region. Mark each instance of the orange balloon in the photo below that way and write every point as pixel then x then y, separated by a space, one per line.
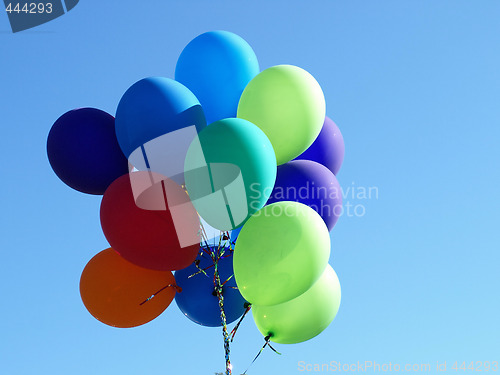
pixel 116 291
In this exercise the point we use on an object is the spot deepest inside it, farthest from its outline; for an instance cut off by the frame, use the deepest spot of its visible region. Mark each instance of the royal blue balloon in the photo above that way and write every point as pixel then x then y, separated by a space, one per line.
pixel 153 107
pixel 235 233
pixel 216 66
pixel 83 150
pixel 328 148
pixel 312 184
pixel 198 300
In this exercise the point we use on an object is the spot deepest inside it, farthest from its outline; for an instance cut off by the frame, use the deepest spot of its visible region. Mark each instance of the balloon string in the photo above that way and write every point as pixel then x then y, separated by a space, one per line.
pixel 229 278
pixel 247 306
pixel 200 270
pixel 216 253
pixel 267 338
pixel 177 289
pixel 204 243
pixel 274 350
pixel 203 270
pixel 218 289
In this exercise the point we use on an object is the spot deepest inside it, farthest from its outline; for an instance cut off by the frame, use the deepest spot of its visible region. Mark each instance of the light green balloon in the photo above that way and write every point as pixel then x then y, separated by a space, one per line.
pixel 280 253
pixel 287 103
pixel 303 317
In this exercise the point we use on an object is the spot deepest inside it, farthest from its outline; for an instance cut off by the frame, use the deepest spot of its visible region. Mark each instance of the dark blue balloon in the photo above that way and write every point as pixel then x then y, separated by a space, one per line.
pixel 328 148
pixel 198 300
pixel 312 184
pixel 153 107
pixel 83 150
pixel 217 66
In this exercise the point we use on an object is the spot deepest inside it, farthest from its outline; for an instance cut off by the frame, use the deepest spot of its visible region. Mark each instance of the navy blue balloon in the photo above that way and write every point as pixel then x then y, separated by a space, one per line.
pixel 312 184
pixel 153 107
pixel 328 148
pixel 83 150
pixel 198 300
pixel 217 66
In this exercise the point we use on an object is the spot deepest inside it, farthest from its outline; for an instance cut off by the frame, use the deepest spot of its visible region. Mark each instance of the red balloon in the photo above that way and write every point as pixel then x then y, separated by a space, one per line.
pixel 150 221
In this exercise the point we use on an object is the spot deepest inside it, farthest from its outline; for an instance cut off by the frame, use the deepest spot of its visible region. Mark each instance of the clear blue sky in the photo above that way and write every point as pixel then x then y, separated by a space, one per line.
pixel 413 85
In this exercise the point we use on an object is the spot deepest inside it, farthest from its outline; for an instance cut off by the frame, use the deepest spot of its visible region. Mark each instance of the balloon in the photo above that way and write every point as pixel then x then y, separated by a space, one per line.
pixel 113 289
pixel 144 228
pixel 234 234
pixel 83 150
pixel 230 172
pixel 198 300
pixel 288 104
pixel 216 66
pixel 312 184
pixel 153 107
pixel 303 317
pixel 280 253
pixel 328 149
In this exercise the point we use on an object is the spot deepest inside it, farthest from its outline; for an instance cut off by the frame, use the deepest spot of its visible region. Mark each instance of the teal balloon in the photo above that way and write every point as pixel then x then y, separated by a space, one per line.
pixel 230 170
pixel 304 317
pixel 216 66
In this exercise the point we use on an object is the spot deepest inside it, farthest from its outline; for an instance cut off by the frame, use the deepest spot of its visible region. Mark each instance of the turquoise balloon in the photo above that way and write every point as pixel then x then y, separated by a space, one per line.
pixel 304 317
pixel 229 172
pixel 216 66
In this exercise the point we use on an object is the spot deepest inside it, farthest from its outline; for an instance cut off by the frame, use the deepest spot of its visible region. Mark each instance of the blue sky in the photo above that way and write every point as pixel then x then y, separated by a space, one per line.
pixel 413 85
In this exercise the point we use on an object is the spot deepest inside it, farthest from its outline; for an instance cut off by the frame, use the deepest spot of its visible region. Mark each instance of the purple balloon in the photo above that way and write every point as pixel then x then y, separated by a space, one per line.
pixel 328 148
pixel 312 184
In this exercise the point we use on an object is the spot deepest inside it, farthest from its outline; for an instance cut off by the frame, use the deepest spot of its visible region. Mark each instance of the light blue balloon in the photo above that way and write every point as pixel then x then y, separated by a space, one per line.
pixel 216 66
pixel 153 107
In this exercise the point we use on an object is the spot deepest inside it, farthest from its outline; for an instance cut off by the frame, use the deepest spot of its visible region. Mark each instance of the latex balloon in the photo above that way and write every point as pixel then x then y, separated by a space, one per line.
pixel 280 253
pixel 83 150
pixel 328 149
pixel 312 184
pixel 287 103
pixel 147 229
pixel 230 172
pixel 114 290
pixel 198 300
pixel 153 107
pixel 234 234
pixel 303 317
pixel 216 66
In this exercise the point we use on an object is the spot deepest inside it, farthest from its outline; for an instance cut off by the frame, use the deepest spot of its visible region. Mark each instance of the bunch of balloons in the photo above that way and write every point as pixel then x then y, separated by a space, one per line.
pixel 262 173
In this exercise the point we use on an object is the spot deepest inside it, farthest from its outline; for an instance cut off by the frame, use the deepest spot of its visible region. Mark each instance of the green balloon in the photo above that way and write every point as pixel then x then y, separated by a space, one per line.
pixel 287 103
pixel 229 170
pixel 280 253
pixel 303 317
